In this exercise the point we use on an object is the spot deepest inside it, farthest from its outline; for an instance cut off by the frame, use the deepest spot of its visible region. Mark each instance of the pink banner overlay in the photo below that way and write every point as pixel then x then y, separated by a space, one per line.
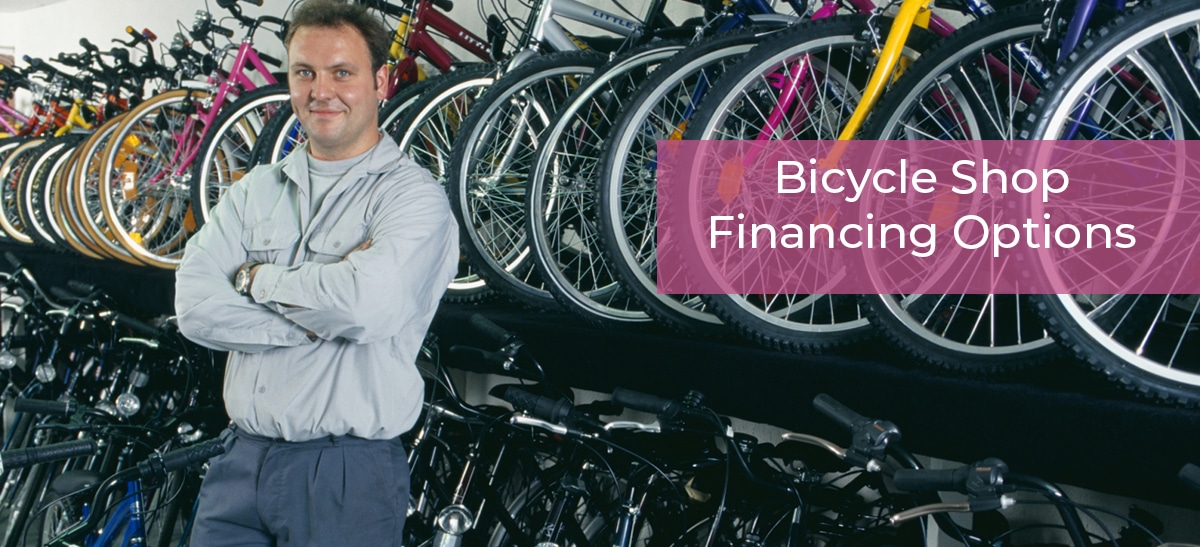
pixel 815 217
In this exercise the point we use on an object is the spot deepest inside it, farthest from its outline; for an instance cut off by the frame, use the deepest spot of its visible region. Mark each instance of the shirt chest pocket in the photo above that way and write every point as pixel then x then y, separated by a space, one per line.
pixel 270 243
pixel 332 244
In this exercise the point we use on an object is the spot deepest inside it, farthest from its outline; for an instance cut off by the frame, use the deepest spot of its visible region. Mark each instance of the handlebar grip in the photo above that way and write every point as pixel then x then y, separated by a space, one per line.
pixel 387 7
pixel 255 2
pixel 222 31
pixel 80 287
pixel 1190 475
pixel 269 59
pixel 135 325
pixel 932 480
pixel 149 36
pixel 43 407
pixel 836 411
pixel 88 45
pixel 491 330
pixel 546 408
pixel 644 402
pixel 12 259
pixel 25 457
pixel 183 457
pixel 63 294
pixel 444 5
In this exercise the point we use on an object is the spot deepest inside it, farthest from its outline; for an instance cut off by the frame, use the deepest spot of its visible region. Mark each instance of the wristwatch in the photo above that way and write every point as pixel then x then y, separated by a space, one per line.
pixel 241 280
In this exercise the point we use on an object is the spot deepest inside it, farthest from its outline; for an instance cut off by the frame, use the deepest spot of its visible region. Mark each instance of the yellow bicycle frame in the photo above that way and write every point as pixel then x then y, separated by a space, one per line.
pixel 912 13
pixel 75 118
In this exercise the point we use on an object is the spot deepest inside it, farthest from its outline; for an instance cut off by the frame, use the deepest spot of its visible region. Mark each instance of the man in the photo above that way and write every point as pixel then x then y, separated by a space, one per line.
pixel 319 275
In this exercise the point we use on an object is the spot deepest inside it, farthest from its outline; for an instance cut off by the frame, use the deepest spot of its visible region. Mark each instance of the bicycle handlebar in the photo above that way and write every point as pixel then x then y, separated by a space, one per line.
pixel 61 409
pixel 838 412
pixel 644 402
pixel 491 330
pixel 154 466
pixel 547 408
pixel 14 261
pixel 25 457
pixel 180 458
pixel 1190 475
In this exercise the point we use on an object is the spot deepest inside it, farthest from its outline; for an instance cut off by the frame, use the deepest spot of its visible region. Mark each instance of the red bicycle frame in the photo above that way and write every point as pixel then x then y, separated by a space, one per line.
pixel 419 42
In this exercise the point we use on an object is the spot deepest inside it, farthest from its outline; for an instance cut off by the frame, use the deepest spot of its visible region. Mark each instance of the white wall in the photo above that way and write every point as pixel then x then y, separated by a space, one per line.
pixel 48 30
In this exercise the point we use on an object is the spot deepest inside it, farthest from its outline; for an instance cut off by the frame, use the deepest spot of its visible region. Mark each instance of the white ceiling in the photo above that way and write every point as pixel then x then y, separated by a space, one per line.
pixel 13 6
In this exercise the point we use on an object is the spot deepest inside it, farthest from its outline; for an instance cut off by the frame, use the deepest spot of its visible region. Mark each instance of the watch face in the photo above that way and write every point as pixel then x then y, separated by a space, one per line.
pixel 240 282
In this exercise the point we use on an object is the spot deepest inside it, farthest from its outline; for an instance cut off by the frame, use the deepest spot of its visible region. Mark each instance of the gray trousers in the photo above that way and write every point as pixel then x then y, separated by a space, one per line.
pixel 342 491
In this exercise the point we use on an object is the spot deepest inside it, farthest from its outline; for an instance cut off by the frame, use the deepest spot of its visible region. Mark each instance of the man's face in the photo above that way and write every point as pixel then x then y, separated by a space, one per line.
pixel 334 92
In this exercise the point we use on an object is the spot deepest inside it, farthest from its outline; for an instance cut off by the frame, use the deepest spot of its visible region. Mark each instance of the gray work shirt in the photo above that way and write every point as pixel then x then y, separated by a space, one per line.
pixel 369 312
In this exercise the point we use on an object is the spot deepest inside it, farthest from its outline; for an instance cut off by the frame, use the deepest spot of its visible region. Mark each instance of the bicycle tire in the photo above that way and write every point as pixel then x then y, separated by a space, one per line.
pixel 488 197
pixel 84 195
pixel 561 211
pixel 77 239
pixel 145 197
pixel 952 92
pixel 10 176
pixel 840 48
pixel 628 178
pixel 425 129
pixel 225 152
pixel 1153 354
pixel 33 186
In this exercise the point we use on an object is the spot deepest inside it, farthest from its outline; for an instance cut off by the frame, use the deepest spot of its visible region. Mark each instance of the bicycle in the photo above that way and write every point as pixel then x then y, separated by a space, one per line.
pixel 146 189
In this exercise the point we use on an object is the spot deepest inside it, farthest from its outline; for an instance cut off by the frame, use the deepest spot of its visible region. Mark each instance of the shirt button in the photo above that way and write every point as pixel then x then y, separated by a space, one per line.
pixel 337 244
pixel 262 389
pixel 262 294
pixel 267 241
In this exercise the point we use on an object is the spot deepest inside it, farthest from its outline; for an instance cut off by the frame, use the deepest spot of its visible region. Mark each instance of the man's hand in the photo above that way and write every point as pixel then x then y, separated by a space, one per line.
pixel 366 244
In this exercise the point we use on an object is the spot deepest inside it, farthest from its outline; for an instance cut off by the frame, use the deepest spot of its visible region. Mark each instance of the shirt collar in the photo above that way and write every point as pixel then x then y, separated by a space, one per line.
pixel 379 160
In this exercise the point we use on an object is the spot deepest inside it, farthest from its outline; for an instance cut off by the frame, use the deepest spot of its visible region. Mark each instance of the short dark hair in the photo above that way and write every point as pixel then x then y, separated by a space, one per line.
pixel 335 13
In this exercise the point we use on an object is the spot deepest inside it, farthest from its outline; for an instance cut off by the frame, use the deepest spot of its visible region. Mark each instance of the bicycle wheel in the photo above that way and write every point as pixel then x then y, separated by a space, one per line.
pixel 145 185
pixel 278 138
pixel 77 239
pixel 84 193
pixel 224 155
pixel 11 170
pixel 829 61
pixel 33 189
pixel 972 85
pixel 426 130
pixel 561 212
pixel 490 164
pixel 625 191
pixel 1132 80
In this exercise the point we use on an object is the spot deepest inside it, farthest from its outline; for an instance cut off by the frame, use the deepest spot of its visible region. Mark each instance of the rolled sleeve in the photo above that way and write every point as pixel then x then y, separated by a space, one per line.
pixel 374 292
pixel 210 312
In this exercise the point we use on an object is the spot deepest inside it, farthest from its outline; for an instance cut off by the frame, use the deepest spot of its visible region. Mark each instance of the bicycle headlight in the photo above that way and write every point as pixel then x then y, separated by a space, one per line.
pixel 455 520
pixel 128 404
pixel 45 373
pixel 7 360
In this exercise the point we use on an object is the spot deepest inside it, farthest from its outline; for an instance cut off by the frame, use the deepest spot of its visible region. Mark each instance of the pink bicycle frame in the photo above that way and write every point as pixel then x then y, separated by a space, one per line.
pixel 189 140
pixel 7 113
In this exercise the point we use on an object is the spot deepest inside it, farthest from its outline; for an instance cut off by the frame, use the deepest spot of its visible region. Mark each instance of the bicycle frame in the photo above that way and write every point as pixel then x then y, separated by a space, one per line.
pixel 413 36
pixel 189 140
pixel 917 12
pixel 9 113
pixel 128 511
